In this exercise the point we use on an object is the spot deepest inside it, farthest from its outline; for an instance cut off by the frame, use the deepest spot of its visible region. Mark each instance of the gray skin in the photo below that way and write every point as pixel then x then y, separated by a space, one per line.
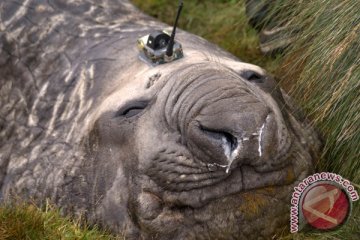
pixel 206 147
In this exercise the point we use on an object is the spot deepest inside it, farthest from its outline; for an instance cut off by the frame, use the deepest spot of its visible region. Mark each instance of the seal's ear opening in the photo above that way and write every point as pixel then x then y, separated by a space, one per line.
pixel 252 76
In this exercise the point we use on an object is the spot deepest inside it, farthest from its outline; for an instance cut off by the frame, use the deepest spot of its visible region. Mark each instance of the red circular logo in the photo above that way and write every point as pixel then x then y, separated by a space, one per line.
pixel 325 206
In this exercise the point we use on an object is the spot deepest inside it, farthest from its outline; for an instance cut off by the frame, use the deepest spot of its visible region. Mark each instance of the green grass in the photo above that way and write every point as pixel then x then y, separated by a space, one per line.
pixel 27 222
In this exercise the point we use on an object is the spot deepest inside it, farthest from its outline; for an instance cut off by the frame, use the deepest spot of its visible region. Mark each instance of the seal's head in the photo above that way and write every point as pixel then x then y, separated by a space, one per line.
pixel 206 150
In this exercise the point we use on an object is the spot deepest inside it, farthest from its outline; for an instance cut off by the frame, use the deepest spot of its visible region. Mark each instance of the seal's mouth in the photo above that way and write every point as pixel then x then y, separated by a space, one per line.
pixel 242 179
pixel 188 181
pixel 218 217
pixel 217 204
pixel 203 199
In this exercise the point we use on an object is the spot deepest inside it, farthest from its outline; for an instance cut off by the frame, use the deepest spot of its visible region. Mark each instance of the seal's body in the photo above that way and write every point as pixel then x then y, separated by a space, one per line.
pixel 205 147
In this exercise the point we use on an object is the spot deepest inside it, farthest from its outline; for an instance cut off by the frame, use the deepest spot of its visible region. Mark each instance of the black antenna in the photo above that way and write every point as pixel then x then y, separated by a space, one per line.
pixel 169 50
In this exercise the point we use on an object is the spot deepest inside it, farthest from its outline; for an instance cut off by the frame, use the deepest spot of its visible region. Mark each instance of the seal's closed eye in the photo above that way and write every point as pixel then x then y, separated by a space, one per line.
pixel 131 109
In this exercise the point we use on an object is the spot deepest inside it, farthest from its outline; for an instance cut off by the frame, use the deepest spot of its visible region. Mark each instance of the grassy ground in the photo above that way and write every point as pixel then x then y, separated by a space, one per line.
pixel 27 222
pixel 325 59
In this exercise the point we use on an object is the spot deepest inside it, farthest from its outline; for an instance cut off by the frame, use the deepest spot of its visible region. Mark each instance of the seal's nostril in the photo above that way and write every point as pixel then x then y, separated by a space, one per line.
pixel 230 141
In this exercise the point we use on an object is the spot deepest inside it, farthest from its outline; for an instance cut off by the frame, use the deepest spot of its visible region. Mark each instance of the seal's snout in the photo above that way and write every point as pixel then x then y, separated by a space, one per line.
pixel 230 133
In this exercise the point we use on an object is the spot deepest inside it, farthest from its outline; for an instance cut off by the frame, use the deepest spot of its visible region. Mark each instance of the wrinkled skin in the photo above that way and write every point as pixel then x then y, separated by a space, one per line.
pixel 206 147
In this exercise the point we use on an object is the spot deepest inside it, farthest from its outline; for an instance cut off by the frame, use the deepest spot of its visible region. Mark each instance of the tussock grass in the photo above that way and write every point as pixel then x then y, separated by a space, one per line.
pixel 27 222
pixel 321 69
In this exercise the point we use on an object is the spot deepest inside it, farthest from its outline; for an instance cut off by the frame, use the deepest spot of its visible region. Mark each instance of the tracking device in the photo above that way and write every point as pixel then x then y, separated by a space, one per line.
pixel 160 47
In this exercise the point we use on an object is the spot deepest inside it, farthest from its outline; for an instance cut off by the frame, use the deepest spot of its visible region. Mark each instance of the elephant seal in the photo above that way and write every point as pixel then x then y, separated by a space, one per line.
pixel 205 147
